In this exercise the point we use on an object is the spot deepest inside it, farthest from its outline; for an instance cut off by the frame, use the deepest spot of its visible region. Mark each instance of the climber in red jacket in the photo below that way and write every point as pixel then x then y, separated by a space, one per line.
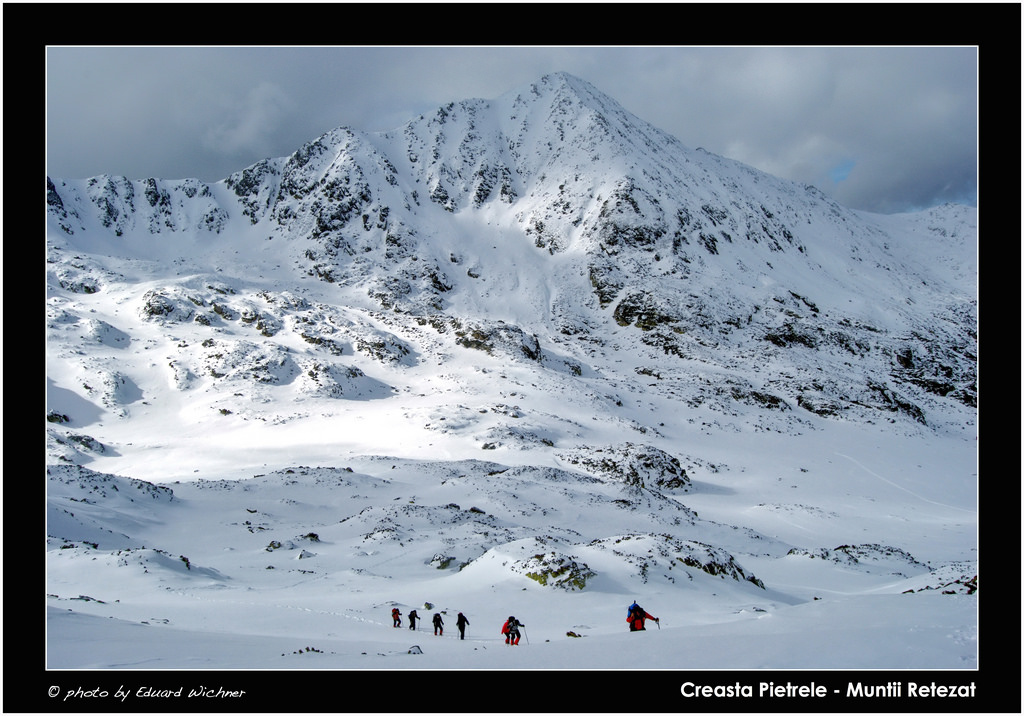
pixel 636 616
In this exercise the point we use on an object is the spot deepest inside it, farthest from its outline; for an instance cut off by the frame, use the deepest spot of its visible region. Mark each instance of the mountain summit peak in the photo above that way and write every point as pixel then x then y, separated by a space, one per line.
pixel 567 80
pixel 553 211
pixel 565 87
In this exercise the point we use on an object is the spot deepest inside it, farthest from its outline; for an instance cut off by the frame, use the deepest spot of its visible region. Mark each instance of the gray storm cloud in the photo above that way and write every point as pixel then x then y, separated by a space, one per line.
pixel 881 129
pixel 251 122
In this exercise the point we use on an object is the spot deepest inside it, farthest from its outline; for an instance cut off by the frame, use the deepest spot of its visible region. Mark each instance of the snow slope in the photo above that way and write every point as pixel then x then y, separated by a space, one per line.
pixel 523 356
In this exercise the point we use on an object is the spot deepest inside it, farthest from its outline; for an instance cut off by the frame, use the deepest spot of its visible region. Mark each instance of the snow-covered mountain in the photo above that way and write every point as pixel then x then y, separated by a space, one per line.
pixel 528 356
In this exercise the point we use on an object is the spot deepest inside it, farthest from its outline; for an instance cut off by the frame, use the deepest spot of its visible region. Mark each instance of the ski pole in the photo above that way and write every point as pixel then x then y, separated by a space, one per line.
pixel 527 636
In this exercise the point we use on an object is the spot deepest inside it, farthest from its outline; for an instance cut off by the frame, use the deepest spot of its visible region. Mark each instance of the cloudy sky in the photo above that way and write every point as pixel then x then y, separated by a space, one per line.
pixel 883 129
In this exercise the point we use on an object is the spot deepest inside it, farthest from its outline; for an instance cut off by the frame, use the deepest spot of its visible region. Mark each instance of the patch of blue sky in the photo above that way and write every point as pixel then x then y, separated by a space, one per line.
pixel 842 170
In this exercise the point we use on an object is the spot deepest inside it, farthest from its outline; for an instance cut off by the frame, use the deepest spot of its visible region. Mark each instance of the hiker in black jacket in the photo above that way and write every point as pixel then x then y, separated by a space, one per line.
pixel 461 623
pixel 511 631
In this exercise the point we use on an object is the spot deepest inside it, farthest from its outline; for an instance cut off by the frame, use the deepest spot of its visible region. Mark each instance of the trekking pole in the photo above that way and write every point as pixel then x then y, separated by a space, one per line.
pixel 527 636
